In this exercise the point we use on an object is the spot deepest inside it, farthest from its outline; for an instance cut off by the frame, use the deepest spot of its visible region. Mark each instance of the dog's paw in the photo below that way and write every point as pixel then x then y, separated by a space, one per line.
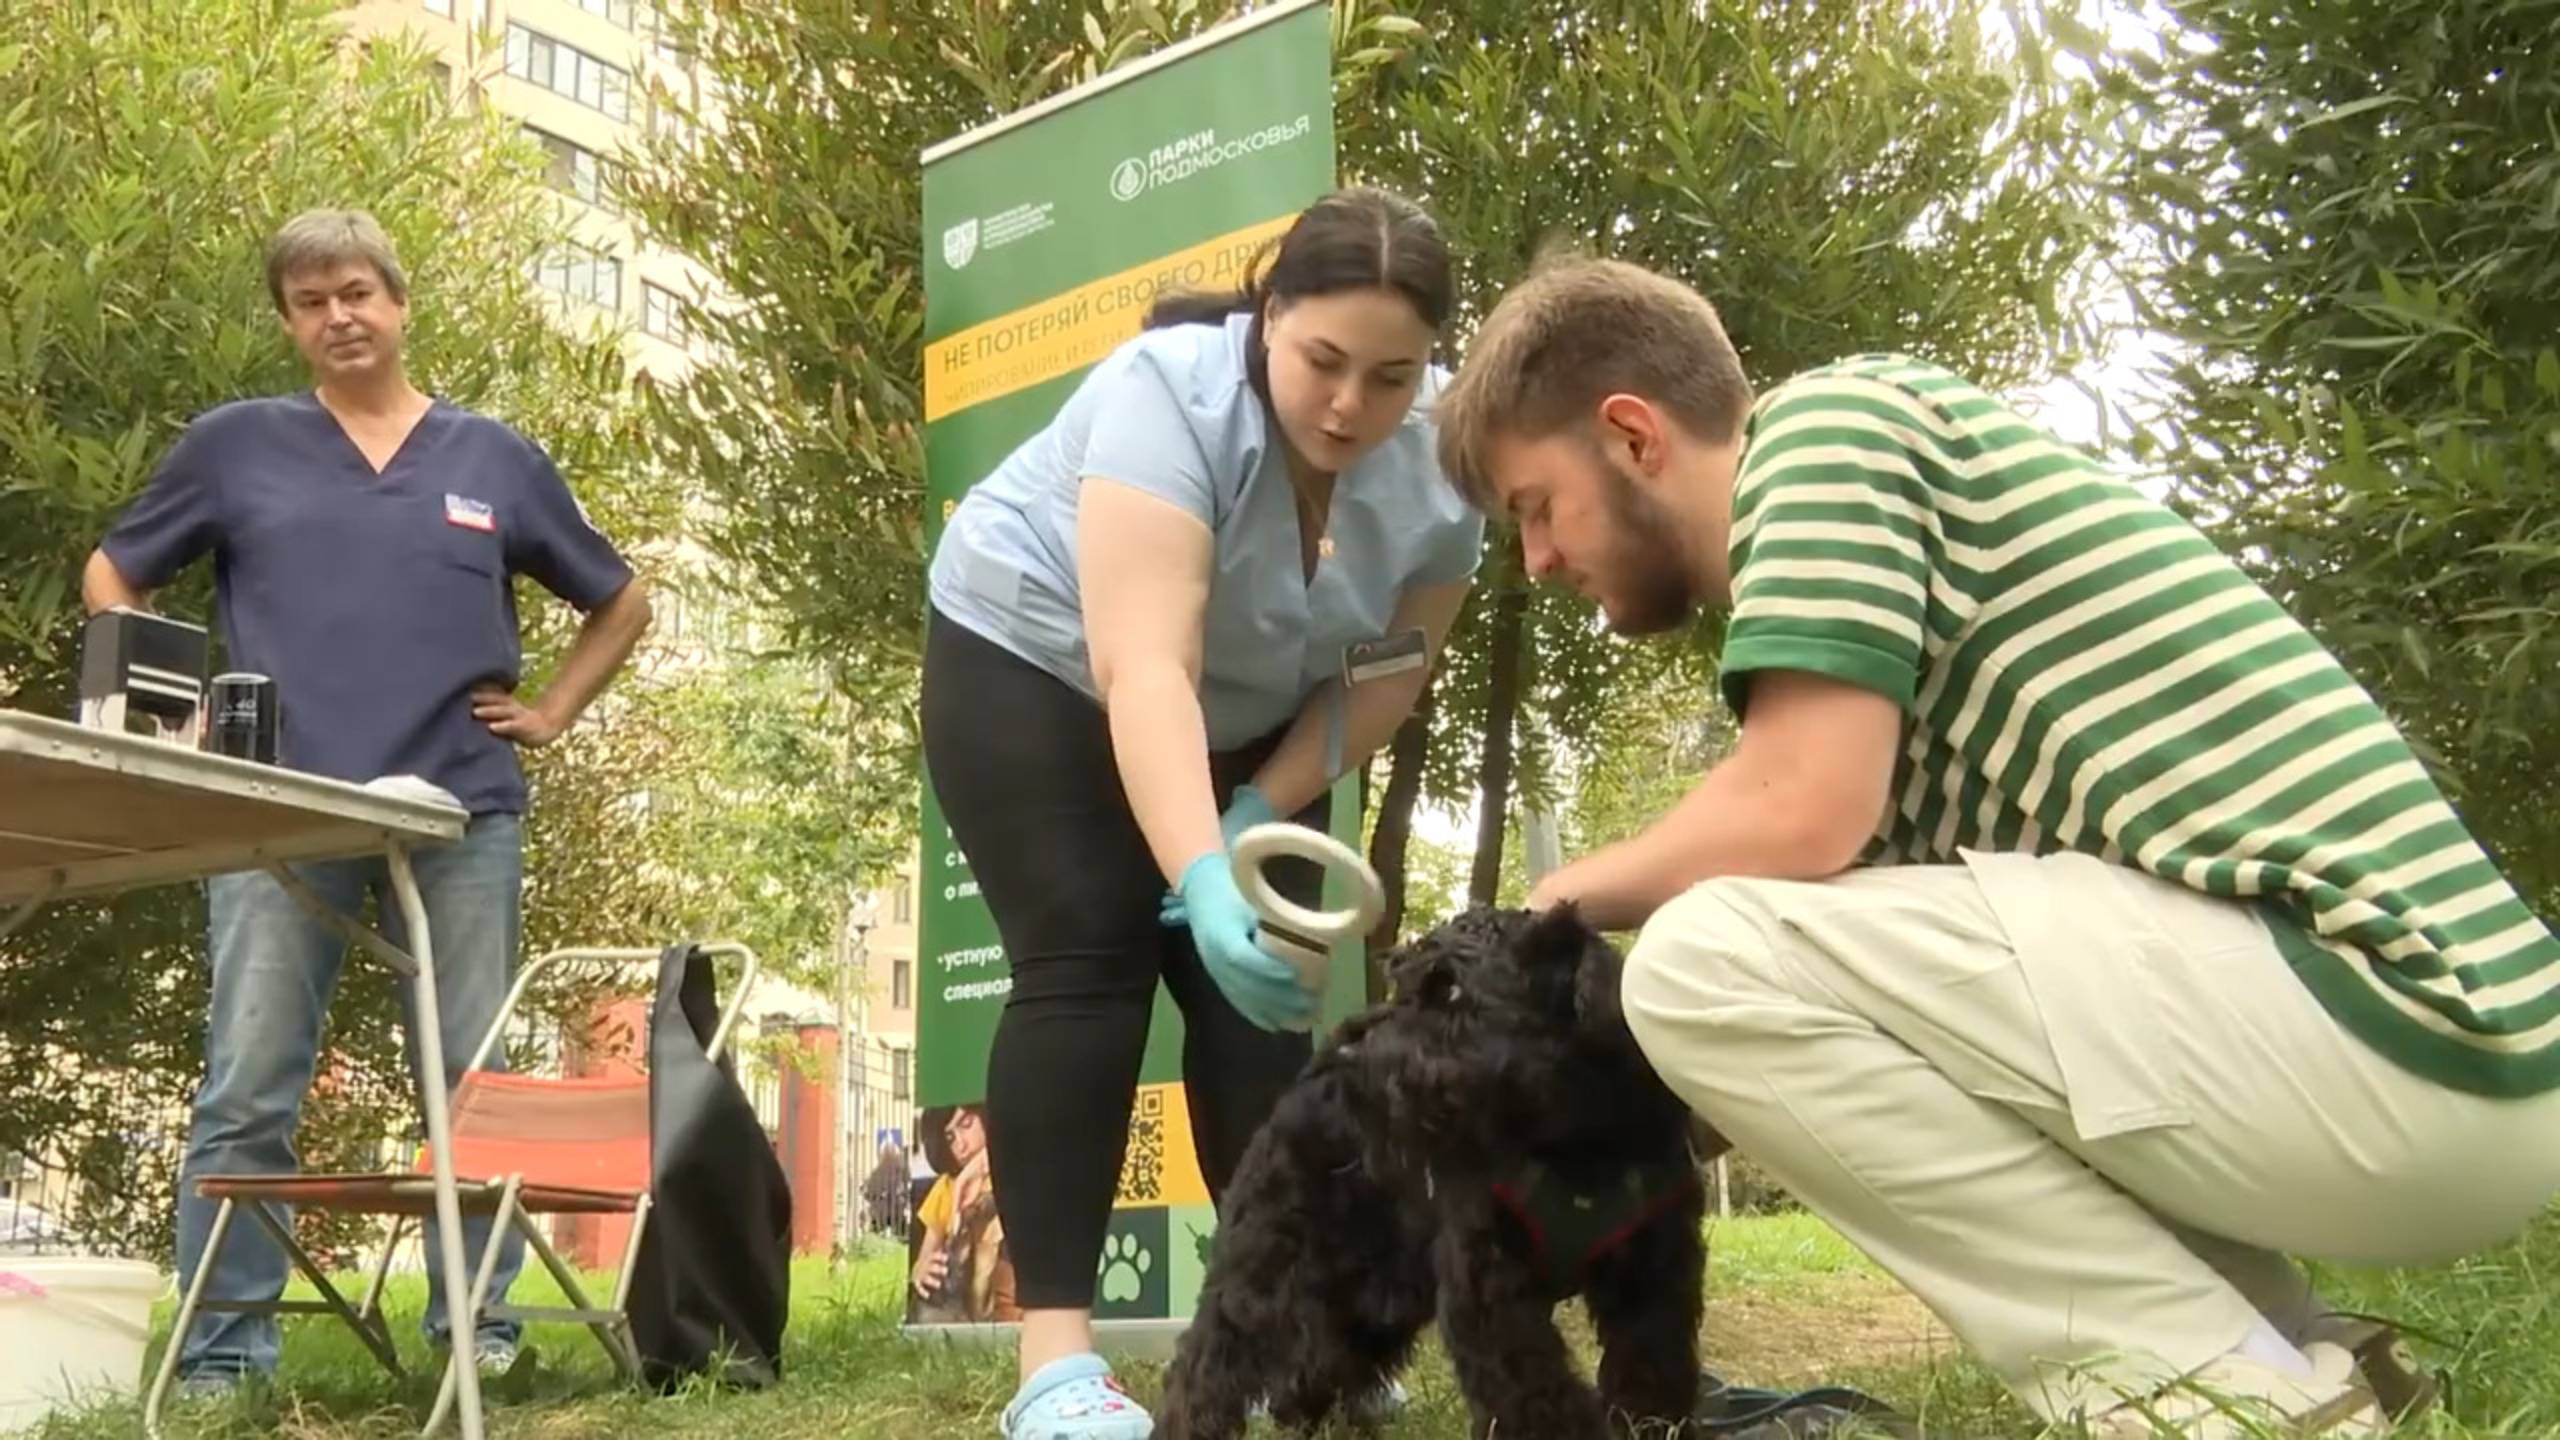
pixel 1125 1263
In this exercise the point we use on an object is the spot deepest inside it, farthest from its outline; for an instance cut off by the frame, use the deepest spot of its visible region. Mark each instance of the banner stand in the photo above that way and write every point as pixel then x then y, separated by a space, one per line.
pixel 1147 1340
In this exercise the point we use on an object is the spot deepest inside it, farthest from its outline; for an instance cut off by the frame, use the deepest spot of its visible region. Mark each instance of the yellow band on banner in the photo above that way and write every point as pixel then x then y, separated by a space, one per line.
pixel 1072 330
pixel 1162 1164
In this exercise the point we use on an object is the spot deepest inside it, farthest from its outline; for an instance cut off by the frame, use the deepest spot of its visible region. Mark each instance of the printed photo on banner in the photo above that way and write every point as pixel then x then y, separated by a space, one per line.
pixel 958 1269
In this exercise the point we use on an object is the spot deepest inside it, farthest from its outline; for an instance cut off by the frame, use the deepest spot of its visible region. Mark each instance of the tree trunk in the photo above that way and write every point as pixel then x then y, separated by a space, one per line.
pixel 1501 708
pixel 1390 841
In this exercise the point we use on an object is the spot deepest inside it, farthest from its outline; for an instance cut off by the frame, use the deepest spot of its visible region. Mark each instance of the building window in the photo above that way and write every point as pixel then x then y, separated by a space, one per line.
pixel 443 74
pixel 901 1064
pixel 440 7
pixel 902 985
pixel 902 908
pixel 617 11
pixel 567 70
pixel 662 314
pixel 665 39
pixel 573 169
pixel 582 274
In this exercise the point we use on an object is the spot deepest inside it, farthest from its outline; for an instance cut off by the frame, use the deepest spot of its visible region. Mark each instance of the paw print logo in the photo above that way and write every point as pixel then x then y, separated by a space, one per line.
pixel 1125 1263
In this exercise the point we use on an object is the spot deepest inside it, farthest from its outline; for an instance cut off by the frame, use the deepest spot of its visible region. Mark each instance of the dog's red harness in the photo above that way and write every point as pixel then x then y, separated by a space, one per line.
pixel 1571 1229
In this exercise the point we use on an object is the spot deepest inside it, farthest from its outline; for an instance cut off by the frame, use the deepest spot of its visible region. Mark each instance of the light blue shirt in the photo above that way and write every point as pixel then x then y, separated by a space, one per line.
pixel 1172 413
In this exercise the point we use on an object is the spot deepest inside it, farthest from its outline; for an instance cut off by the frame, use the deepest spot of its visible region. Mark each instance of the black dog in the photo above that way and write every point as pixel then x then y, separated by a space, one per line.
pixel 1482 1147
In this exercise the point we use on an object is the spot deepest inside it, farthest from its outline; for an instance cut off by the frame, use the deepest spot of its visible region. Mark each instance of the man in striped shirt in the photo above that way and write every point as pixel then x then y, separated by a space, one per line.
pixel 2067 927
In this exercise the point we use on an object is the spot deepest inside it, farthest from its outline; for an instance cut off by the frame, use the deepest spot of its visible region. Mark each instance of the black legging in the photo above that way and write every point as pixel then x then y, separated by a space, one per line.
pixel 1023 766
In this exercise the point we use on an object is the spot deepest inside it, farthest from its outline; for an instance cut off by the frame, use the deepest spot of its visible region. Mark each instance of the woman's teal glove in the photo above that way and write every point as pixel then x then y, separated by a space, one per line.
pixel 1263 987
pixel 1248 808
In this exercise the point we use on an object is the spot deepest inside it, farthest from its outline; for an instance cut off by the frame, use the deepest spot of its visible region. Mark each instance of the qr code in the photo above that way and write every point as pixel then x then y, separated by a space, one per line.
pixel 1142 1167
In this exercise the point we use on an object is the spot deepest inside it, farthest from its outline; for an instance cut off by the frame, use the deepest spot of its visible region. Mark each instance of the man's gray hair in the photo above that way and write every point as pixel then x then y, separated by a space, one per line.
pixel 319 239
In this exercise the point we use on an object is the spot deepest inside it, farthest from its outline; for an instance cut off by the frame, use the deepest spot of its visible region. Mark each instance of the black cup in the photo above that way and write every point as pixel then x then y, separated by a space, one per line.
pixel 244 717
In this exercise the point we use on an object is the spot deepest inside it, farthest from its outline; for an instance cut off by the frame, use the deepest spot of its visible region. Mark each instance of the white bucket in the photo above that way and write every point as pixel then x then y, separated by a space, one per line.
pixel 72 1333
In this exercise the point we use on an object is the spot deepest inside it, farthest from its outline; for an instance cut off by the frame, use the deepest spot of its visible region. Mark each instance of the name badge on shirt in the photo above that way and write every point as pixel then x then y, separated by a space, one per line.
pixel 1395 654
pixel 470 514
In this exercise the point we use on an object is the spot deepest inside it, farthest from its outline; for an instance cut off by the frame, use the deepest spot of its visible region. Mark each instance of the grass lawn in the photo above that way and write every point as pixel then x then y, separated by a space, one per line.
pixel 1790 1304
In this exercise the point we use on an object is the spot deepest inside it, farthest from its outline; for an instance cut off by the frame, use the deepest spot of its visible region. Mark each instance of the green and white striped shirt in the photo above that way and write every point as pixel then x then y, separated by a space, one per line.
pixel 2084 671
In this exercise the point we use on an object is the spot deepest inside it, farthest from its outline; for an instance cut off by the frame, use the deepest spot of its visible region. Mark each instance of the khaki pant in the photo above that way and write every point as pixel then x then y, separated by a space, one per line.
pixel 2081 1113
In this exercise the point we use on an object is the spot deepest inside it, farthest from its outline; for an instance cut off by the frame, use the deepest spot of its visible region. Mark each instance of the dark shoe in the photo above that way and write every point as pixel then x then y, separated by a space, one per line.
pixel 497 1355
pixel 2391 1372
pixel 1735 1412
pixel 208 1387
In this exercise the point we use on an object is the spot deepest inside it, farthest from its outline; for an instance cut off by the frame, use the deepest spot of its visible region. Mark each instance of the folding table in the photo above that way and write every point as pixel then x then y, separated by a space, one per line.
pixel 91 812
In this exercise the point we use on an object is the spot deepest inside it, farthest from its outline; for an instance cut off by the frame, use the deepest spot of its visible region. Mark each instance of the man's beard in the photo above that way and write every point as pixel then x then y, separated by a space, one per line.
pixel 1651 577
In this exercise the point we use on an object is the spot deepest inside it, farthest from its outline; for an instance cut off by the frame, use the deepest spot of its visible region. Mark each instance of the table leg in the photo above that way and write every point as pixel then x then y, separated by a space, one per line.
pixel 363 937
pixel 459 1311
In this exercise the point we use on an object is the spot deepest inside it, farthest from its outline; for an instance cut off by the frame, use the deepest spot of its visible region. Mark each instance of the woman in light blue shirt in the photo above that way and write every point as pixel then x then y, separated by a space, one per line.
pixel 1138 647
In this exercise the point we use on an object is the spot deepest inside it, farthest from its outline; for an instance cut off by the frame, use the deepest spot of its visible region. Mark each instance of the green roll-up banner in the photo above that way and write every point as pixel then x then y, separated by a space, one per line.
pixel 1047 234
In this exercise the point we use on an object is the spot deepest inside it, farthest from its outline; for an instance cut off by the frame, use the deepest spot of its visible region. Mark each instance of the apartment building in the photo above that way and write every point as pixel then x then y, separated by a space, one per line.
pixel 589 81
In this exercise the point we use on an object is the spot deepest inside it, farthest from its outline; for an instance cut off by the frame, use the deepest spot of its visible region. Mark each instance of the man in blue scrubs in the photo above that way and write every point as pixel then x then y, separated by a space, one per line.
pixel 363 536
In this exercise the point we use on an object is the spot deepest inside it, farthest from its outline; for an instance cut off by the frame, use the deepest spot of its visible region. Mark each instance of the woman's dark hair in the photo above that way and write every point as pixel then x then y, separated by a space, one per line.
pixel 937 1145
pixel 1357 239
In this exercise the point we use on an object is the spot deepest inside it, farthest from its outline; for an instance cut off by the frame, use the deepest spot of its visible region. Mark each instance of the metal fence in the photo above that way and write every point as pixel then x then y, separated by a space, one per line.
pixel 99 1191
pixel 881 1169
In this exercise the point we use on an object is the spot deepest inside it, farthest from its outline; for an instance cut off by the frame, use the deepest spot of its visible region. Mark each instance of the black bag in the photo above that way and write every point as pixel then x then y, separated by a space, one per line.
pixel 711 1284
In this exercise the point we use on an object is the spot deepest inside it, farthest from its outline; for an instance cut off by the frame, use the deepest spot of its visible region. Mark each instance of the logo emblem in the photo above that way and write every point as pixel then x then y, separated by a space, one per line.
pixel 960 244
pixel 470 514
pixel 1128 180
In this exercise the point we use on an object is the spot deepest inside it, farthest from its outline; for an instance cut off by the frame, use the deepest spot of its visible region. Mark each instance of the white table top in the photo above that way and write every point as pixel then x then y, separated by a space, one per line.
pixel 86 812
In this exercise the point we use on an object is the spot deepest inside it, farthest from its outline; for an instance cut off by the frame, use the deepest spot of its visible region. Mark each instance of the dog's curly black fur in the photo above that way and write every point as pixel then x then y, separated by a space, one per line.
pixel 1383 1193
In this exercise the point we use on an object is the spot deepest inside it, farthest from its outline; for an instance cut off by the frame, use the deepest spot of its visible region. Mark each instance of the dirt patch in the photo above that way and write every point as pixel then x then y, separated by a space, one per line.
pixel 1818 1328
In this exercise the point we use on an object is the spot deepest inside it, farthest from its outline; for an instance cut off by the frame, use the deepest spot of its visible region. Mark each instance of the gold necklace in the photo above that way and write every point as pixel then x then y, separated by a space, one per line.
pixel 1311 517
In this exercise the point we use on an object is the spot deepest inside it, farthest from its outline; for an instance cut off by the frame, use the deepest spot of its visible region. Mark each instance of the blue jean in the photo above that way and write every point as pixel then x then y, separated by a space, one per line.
pixel 275 966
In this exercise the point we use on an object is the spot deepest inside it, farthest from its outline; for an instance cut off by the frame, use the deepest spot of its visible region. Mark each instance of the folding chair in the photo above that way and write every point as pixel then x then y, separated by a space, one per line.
pixel 523 1146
